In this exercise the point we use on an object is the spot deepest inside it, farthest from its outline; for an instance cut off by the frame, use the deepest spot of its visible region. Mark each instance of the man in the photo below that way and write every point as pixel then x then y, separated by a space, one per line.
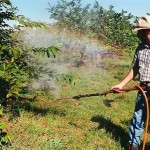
pixel 140 66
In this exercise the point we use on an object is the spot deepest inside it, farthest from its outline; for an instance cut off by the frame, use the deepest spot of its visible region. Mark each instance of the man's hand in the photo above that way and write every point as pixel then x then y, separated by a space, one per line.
pixel 117 88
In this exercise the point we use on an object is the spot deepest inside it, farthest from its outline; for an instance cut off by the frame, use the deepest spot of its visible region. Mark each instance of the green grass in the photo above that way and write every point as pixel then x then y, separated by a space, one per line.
pixel 95 123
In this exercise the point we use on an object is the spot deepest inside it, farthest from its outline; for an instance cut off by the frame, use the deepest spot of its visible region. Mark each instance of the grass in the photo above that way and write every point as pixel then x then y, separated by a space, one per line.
pixel 94 123
pixel 85 124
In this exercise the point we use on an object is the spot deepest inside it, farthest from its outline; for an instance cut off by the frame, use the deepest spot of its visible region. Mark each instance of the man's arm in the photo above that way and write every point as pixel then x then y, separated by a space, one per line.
pixel 132 73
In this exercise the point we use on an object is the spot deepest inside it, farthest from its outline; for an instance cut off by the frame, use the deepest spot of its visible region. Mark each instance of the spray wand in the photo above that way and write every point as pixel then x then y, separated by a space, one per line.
pixel 124 90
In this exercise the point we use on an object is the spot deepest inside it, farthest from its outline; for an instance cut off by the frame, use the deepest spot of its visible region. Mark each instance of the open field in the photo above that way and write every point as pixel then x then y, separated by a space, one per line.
pixel 94 123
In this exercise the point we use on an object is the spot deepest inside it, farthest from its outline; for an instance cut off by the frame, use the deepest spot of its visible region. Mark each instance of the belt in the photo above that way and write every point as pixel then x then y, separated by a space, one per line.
pixel 144 83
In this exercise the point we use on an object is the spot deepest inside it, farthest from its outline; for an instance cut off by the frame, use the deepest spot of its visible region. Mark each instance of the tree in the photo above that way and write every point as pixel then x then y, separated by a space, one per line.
pixel 115 28
pixel 15 66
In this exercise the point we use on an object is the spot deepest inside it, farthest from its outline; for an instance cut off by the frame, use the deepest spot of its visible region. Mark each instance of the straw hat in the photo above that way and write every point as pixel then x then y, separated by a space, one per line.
pixel 142 23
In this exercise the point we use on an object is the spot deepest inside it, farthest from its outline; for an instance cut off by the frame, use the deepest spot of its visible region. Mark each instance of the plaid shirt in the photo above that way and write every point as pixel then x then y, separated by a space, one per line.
pixel 141 61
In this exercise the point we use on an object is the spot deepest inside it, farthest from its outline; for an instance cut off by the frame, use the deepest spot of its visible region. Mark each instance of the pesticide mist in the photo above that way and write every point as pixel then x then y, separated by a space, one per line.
pixel 76 51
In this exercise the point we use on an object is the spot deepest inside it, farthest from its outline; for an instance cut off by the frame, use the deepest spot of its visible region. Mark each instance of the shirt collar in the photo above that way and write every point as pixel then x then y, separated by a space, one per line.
pixel 145 45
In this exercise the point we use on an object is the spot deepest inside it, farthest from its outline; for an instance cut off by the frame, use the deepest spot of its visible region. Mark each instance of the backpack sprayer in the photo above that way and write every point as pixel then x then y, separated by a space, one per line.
pixel 124 90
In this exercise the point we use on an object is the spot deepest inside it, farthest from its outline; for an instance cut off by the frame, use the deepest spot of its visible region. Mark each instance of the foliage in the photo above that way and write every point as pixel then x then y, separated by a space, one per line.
pixel 70 14
pixel 15 67
pixel 4 136
pixel 67 78
pixel 52 50
pixel 106 24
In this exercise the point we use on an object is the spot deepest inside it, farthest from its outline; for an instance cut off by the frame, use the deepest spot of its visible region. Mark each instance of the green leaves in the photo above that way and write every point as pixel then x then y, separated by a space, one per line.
pixel 14 64
pixel 48 51
pixel 67 78
pixel 53 50
pixel 4 137
pixel 8 2
pixel 114 27
pixel 2 67
pixel 26 22
pixel 2 126
pixel 70 14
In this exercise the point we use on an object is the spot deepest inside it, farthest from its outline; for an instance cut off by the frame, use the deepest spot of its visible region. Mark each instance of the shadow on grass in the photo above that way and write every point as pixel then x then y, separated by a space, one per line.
pixel 107 103
pixel 44 108
pixel 37 110
pixel 117 132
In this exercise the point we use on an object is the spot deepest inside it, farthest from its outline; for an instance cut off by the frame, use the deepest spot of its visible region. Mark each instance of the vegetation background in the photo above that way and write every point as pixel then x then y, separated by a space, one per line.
pixel 42 67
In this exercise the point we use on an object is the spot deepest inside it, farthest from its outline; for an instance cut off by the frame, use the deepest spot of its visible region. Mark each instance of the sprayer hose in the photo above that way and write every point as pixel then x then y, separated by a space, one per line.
pixel 147 112
pixel 147 116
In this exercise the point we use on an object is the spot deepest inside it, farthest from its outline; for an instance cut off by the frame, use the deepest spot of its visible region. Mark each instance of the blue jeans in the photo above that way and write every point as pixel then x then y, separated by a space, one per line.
pixel 138 121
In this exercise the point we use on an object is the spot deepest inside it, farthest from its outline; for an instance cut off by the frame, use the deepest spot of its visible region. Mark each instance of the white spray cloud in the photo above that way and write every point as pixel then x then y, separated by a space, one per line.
pixel 75 51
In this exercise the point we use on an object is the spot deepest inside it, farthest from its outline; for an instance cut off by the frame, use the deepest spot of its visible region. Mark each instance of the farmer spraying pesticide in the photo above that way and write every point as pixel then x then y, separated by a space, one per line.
pixel 140 66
